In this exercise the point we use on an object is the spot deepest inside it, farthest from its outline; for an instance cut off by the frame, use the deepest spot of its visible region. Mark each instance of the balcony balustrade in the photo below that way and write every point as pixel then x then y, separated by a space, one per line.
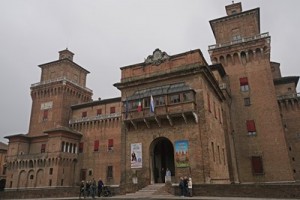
pixel 289 96
pixel 94 118
pixel 256 37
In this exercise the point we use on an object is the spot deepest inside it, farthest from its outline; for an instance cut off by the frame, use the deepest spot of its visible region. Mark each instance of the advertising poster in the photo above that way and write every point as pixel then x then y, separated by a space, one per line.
pixel 182 153
pixel 136 155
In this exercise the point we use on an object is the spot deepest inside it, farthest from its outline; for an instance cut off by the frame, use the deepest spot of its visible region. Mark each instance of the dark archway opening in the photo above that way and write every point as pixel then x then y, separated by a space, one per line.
pixel 163 158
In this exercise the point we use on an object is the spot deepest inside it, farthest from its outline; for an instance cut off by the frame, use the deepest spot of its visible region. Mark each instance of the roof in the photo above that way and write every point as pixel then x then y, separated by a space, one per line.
pixel 65 59
pixel 95 103
pixel 218 67
pixel 287 79
pixel 63 129
pixel 3 146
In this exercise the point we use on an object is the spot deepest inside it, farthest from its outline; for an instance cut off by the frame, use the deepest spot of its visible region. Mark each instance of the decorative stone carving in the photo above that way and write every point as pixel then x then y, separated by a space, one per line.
pixel 157 58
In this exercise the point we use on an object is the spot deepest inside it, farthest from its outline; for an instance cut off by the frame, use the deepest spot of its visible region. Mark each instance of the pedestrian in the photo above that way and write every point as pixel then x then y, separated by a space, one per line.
pixel 162 174
pixel 82 189
pixel 190 187
pixel 87 188
pixel 168 175
pixel 181 186
pixel 93 188
pixel 100 186
pixel 186 186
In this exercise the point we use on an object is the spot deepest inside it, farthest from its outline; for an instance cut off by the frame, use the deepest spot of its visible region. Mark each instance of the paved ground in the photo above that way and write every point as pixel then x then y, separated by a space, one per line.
pixel 160 197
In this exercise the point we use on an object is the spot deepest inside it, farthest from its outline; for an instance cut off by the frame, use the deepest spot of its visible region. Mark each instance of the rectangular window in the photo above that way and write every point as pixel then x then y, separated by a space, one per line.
pixel 109 172
pixel 147 102
pixel 45 115
pixel 112 110
pixel 43 148
pixel 51 171
pixel 50 182
pixel 187 96
pixel 110 144
pixel 257 165
pixel 175 98
pixel 83 174
pixel 213 150
pixel 159 101
pixel 251 127
pixel 80 148
pixel 247 101
pixel 244 84
pixel 84 114
pixel 96 145
pixel 99 112
pixel 215 112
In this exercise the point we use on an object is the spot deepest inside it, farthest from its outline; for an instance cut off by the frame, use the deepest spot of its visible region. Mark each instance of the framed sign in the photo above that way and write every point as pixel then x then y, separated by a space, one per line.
pixel 182 153
pixel 136 158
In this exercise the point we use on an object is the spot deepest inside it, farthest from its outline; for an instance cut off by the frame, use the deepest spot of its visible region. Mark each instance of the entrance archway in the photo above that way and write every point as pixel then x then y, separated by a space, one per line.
pixel 162 157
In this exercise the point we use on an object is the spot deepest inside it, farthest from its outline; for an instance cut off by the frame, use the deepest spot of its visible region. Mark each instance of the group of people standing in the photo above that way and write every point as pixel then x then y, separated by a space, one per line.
pixel 89 188
pixel 186 186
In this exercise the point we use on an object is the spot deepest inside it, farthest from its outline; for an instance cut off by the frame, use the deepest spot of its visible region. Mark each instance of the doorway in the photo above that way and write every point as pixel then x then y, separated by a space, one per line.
pixel 162 156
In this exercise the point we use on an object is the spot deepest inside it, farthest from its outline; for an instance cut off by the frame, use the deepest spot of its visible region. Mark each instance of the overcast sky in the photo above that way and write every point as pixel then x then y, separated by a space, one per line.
pixel 105 35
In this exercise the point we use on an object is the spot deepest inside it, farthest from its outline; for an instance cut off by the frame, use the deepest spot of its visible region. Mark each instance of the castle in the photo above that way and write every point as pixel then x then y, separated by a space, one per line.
pixel 234 121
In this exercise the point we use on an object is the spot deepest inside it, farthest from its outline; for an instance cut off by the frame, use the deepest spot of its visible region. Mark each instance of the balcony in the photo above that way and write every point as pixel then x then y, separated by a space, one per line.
pixel 288 96
pixel 168 112
pixel 58 80
pixel 256 37
pixel 41 156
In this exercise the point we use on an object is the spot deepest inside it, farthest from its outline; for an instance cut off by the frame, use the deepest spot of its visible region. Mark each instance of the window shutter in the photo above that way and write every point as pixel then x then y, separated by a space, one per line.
pixel 110 144
pixel 112 109
pixel 251 126
pixel 45 115
pixel 43 148
pixel 99 111
pixel 84 114
pixel 243 81
pixel 80 149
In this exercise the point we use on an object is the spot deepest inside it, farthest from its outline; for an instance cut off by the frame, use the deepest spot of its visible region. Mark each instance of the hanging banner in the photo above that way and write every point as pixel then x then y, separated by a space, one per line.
pixel 182 153
pixel 136 155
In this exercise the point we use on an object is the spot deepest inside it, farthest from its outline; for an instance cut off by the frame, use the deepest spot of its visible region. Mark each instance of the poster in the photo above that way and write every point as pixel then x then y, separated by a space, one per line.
pixel 136 155
pixel 182 153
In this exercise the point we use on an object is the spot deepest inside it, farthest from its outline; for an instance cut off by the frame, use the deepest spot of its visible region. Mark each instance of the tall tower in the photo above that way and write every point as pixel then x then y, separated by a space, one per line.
pixel 244 51
pixel 62 84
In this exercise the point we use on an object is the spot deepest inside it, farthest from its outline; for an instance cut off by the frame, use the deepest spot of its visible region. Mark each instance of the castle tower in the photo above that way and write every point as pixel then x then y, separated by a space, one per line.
pixel 257 128
pixel 62 84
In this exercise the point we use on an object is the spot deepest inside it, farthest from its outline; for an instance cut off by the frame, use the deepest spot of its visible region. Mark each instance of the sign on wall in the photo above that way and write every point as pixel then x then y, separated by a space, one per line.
pixel 182 153
pixel 46 105
pixel 136 155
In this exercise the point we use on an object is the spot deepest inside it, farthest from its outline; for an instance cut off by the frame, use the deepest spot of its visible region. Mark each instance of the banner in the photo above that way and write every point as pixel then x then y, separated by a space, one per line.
pixel 136 155
pixel 182 153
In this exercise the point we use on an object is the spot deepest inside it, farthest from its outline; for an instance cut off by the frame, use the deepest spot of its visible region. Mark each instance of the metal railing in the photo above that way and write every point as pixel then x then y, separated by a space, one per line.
pixel 288 96
pixel 60 79
pixel 259 36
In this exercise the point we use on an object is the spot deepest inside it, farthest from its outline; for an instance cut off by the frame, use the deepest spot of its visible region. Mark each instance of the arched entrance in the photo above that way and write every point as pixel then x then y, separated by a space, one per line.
pixel 162 157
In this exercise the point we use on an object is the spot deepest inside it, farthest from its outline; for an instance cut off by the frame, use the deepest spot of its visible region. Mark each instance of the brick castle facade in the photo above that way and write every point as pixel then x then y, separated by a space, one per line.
pixel 234 121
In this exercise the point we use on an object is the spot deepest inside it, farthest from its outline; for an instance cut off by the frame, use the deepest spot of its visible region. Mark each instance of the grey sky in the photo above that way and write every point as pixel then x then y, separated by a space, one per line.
pixel 108 34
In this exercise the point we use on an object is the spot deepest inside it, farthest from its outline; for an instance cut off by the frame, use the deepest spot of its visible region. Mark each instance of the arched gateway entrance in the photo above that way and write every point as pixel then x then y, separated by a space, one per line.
pixel 162 157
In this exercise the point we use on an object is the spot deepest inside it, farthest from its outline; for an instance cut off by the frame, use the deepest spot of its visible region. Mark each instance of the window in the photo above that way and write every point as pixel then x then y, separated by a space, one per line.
pixel 96 145
pixel 187 96
pixel 175 98
pixel 110 144
pixel 109 172
pixel 112 110
pixel 251 127
pixel 213 150
pixel 4 170
pixel 247 101
pixel 62 182
pixel 83 174
pixel 80 148
pixel 99 112
pixel 51 171
pixel 90 172
pixel 45 115
pixel 43 148
pixel 215 112
pixel 257 165
pixel 159 101
pixel 62 146
pixel 244 84
pixel 31 177
pixel 84 114
pixel 147 102
pixel 50 182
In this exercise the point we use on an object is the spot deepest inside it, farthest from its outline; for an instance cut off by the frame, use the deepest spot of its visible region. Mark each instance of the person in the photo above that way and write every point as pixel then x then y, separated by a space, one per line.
pixel 87 188
pixel 100 186
pixel 93 188
pixel 190 187
pixel 186 187
pixel 181 186
pixel 168 175
pixel 162 174
pixel 82 189
pixel 133 157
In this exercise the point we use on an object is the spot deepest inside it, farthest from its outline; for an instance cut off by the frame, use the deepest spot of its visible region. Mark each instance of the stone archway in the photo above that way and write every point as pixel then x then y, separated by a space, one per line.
pixel 162 157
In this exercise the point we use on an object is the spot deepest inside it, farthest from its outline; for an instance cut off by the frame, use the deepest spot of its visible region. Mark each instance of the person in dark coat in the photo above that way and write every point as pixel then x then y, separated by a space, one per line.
pixel 163 174
pixel 181 186
pixel 100 186
pixel 82 190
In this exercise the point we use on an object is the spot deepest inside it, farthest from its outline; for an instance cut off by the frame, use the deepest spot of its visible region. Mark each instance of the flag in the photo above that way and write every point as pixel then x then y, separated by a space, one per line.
pixel 139 108
pixel 152 106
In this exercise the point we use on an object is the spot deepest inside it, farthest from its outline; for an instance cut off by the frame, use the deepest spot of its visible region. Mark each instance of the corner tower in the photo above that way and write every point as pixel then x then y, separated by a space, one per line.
pixel 257 128
pixel 62 84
